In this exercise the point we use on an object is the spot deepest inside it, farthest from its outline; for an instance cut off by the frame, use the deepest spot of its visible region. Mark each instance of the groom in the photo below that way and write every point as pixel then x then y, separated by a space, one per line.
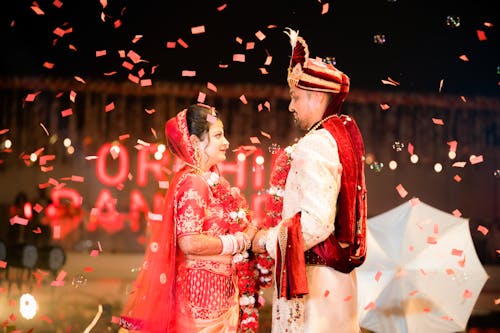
pixel 320 238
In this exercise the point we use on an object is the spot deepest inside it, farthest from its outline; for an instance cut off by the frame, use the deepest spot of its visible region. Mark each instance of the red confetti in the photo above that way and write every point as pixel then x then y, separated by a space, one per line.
pixel 198 30
pixel 325 8
pixel 260 35
pixel 31 97
pixel 476 159
pixel 3 264
pixel 463 57
pixel 201 97
pixel 457 213
pixel 347 298
pixel 378 275
pixel 150 111
pixel 385 106
pixel 67 112
pixel 369 306
pixel 188 73
pixel 457 178
pixel 211 86
pixel 100 53
pixel 327 292
pixel 410 148
pixel 455 252
pixel 243 99
pixel 171 45
pixel 239 57
pixel 437 121
pixel 482 229
pixel 182 43
pixel 222 7
pixel 48 65
pixel 467 294
pixel 481 35
pixel 401 190
pixel 431 240
pixel 110 107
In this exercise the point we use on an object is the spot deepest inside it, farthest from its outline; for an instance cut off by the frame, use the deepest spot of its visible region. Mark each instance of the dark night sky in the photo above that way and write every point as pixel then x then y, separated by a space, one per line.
pixel 419 51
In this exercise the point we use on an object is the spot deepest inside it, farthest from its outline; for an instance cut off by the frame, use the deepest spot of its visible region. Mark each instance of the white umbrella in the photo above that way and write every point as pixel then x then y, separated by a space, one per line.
pixel 421 273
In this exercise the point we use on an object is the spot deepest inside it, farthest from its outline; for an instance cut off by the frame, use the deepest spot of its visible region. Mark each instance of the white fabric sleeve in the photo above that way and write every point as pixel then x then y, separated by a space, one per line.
pixel 313 186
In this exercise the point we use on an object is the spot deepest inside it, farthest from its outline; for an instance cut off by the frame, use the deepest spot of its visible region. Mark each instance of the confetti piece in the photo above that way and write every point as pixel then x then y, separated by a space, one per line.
pixel 3 264
pixel 437 121
pixel 57 3
pixel 150 111
pixel 255 140
pixel 459 164
pixel 156 137
pixel 48 65
pixel 37 10
pixel 243 99
pixel 457 213
pixel 267 135
pixel 453 145
pixel 222 7
pixel 441 85
pixel 67 112
pixel 123 137
pixel 18 220
pixel 155 217
pixel 38 208
pixel 482 229
pixel 384 106
pixel 263 70
pixel 188 73
pixel 463 99
pixel 347 298
pixel 12 317
pixel 431 240
pixel 56 232
pixel 327 292
pixel 414 201
pixel 496 301
pixel 127 65
pixel 136 38
pixel 182 43
pixel 369 306
pixel 201 97
pixel 410 148
pixel 99 246
pixel 481 35
pixel 401 190
pixel 78 179
pixel 250 46
pixel 198 30
pixel 110 107
pixel 268 61
pixel 325 8
pixel 455 252
pixel 143 143
pixel 88 269
pixel 463 57
pixel 146 83
pixel 163 184
pixel 476 159
pixel 413 293
pixel 467 294
pixel 171 45
pixel 31 97
pixel 239 57
pixel 260 35
pixel 450 271
pixel 211 87
pixel 5 130
pixel 488 24
pixel 391 82
pixel 79 79
pixel 44 129
pixel 436 228
pixel 45 158
pixel 37 230
pixel 457 178
pixel 101 53
pixel 94 253
pixel 378 275
pixel 239 40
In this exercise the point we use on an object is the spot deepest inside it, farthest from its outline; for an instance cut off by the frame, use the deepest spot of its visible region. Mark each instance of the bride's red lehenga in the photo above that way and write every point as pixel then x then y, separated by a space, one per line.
pixel 173 293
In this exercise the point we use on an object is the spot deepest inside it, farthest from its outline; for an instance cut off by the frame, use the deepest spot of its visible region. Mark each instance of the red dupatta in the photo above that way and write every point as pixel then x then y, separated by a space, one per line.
pixel 151 306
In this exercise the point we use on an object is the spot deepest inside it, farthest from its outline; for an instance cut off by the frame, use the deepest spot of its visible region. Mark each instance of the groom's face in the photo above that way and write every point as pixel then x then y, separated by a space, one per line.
pixel 304 105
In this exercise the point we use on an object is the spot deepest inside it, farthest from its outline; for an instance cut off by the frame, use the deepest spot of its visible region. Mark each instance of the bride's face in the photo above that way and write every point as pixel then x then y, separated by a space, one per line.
pixel 214 145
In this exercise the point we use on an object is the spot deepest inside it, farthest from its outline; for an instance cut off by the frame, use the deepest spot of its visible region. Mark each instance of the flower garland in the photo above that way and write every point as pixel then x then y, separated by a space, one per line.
pixel 274 205
pixel 252 271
